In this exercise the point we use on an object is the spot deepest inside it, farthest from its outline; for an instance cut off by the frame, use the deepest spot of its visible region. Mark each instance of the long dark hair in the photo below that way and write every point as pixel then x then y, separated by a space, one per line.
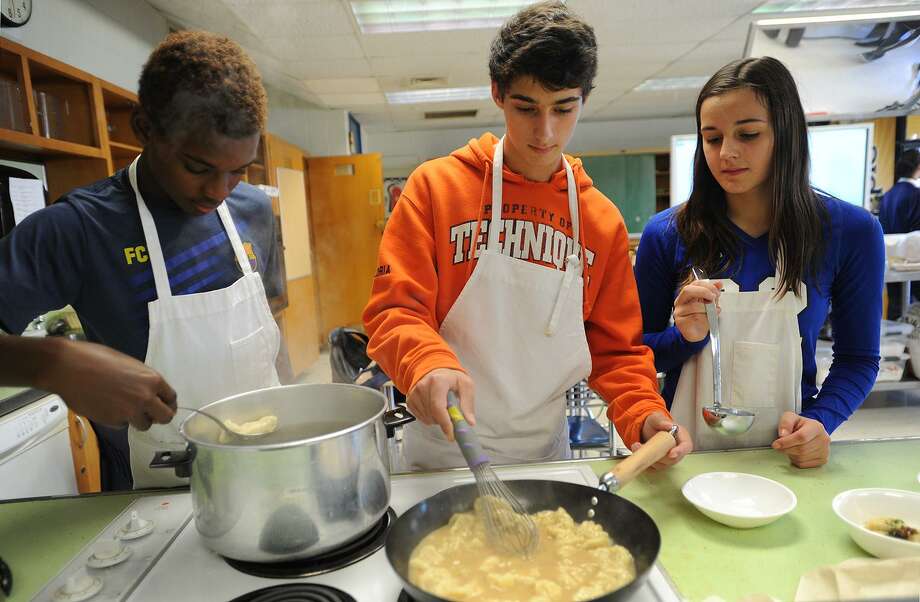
pixel 795 236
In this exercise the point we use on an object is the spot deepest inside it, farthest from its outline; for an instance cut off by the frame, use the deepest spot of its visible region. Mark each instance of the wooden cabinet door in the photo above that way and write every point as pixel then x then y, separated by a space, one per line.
pixel 347 216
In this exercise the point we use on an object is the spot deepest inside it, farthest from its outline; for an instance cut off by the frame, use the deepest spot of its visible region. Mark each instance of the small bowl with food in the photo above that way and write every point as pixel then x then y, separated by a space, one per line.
pixel 883 522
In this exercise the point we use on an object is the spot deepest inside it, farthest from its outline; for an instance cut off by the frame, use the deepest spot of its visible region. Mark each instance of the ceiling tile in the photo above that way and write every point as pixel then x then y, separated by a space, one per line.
pixel 315 48
pixel 654 32
pixel 643 54
pixel 718 51
pixel 325 69
pixel 422 64
pixel 346 85
pixel 292 18
pixel 428 42
pixel 352 100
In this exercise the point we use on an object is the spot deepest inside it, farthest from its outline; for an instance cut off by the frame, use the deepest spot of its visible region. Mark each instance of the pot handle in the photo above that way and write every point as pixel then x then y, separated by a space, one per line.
pixel 181 461
pixel 393 419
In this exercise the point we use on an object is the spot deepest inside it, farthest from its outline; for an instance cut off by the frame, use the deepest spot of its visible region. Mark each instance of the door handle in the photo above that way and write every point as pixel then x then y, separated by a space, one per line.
pixel 375 197
pixel 79 422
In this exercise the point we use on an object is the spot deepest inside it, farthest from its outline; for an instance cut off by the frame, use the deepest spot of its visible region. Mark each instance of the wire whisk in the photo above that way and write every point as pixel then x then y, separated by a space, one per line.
pixel 508 526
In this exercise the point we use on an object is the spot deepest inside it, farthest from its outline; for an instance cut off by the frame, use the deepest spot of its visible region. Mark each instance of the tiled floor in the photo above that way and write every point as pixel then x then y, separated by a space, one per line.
pixel 893 414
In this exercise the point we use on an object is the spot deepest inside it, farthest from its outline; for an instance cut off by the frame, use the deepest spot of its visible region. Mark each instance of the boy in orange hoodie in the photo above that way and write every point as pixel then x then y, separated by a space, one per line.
pixel 504 274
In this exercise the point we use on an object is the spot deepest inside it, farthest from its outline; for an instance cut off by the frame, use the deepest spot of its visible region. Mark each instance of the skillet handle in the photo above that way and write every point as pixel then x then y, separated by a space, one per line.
pixel 651 451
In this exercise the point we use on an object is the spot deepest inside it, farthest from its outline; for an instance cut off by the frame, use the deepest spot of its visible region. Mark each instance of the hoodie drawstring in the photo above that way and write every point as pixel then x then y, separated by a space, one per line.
pixel 479 218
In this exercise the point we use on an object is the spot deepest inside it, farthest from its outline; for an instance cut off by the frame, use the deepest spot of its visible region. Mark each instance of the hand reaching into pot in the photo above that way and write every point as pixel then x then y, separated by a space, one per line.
pixel 95 381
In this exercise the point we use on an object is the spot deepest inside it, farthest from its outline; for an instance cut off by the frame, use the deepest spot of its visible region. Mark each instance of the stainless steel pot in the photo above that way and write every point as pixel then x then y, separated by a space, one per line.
pixel 319 481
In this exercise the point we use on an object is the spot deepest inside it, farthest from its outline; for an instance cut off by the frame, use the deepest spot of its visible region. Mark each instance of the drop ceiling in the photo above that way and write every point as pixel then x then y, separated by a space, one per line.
pixel 314 49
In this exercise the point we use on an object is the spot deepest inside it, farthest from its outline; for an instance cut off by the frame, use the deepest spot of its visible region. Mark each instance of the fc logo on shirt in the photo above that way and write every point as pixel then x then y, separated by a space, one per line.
pixel 136 254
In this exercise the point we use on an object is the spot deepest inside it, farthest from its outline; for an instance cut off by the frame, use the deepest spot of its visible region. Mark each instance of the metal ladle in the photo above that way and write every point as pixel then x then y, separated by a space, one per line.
pixel 725 421
pixel 230 432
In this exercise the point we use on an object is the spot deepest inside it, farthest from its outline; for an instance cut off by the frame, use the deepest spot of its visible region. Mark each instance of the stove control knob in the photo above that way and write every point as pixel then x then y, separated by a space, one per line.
pixel 79 586
pixel 108 552
pixel 136 527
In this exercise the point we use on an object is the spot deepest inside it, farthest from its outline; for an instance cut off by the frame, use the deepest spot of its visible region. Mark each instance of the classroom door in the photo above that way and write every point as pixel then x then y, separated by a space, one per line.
pixel 347 217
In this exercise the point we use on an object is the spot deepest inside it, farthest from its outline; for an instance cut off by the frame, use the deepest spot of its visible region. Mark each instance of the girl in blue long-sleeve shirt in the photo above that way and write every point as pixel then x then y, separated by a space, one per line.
pixel 781 254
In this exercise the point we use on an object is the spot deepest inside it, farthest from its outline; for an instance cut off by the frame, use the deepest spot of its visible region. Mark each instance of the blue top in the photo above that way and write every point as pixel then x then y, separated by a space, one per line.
pixel 87 250
pixel 900 209
pixel 851 277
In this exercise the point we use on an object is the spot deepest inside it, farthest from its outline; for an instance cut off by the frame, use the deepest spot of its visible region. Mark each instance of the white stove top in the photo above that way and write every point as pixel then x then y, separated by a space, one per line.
pixel 167 566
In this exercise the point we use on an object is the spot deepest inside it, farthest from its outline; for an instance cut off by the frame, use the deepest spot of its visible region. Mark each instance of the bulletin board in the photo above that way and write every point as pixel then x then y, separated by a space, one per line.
pixel 627 180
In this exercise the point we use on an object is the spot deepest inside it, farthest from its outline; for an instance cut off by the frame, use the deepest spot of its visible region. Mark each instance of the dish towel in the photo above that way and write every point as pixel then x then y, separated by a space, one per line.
pixel 862 579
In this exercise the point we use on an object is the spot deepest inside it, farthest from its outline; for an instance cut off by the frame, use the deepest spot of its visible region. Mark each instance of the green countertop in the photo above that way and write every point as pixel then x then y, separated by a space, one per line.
pixel 37 538
pixel 704 558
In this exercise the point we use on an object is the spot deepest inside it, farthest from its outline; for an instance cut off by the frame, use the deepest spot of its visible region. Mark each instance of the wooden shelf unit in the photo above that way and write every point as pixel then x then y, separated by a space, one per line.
pixel 76 124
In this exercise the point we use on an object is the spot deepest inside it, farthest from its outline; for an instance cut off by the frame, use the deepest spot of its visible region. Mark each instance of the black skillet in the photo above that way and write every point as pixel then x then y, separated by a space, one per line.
pixel 627 524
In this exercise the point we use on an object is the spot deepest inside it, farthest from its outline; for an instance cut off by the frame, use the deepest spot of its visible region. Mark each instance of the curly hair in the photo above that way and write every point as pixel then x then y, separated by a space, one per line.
pixel 197 81
pixel 548 42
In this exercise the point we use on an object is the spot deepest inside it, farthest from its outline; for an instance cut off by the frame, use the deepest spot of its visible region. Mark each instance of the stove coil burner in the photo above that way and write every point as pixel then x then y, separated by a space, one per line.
pixel 296 592
pixel 350 553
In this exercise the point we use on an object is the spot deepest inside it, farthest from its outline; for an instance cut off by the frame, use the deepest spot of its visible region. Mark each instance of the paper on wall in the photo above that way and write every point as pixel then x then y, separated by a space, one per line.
pixel 27 196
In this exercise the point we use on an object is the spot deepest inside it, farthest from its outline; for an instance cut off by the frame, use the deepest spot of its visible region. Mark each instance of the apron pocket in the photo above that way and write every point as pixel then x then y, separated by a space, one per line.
pixel 755 369
pixel 252 367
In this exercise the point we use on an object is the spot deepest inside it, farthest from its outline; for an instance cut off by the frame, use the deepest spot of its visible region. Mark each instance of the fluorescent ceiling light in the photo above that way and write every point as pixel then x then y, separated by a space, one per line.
pixel 894 15
pixel 672 83
pixel 439 95
pixel 793 6
pixel 392 16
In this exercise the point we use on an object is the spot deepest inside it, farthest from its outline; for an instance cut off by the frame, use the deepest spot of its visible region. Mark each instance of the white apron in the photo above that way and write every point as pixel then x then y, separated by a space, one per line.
pixel 518 330
pixel 761 366
pixel 206 345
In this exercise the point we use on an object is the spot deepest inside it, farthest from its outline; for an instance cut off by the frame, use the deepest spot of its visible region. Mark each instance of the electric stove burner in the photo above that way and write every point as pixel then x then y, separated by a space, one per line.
pixel 296 592
pixel 350 553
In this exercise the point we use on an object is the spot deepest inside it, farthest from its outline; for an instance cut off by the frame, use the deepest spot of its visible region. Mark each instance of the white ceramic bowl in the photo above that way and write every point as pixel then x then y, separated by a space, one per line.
pixel 856 506
pixel 738 499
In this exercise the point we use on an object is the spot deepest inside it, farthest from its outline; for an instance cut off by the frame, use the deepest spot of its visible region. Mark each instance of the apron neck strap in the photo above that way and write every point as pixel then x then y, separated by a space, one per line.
pixel 152 239
pixel 154 251
pixel 234 236
pixel 495 221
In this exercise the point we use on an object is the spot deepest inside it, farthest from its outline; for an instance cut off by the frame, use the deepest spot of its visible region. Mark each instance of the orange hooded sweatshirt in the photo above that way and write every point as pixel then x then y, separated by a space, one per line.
pixel 427 255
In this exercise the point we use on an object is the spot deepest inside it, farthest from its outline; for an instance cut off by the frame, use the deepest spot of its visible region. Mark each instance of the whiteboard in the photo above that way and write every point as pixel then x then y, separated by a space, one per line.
pixel 841 162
